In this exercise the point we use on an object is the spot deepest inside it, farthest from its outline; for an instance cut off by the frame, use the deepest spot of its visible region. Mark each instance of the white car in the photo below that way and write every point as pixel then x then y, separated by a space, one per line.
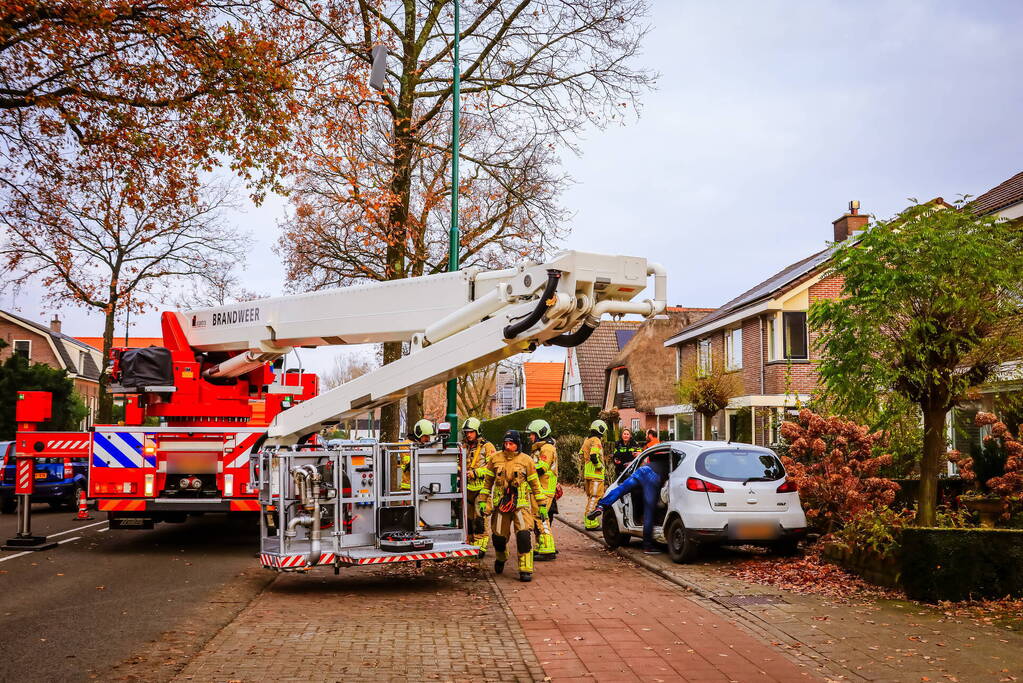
pixel 716 493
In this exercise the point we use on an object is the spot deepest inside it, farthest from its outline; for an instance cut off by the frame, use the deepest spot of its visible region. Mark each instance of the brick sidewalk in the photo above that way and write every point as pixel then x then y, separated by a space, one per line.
pixel 444 623
pixel 874 640
pixel 592 616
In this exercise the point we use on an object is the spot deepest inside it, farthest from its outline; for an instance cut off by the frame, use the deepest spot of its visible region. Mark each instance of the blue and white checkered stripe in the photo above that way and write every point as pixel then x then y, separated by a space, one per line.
pixel 119 449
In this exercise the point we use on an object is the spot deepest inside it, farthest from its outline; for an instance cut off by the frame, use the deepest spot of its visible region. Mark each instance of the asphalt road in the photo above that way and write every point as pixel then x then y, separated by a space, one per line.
pixel 140 601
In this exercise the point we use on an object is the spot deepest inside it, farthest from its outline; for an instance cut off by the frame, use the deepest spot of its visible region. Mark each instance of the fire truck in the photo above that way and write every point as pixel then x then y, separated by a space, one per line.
pixel 355 503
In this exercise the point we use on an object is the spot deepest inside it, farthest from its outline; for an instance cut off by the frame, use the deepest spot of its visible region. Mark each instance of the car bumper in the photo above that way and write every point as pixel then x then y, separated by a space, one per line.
pixel 723 536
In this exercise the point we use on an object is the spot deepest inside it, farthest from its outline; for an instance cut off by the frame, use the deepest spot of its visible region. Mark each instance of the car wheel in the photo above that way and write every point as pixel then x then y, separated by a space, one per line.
pixel 612 534
pixel 786 547
pixel 8 505
pixel 680 548
pixel 56 504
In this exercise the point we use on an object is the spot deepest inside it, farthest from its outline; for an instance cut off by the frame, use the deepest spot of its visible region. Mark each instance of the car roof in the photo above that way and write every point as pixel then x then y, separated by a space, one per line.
pixel 715 445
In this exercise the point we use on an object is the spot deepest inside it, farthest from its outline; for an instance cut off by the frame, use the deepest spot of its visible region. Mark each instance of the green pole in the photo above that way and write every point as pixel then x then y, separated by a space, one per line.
pixel 452 416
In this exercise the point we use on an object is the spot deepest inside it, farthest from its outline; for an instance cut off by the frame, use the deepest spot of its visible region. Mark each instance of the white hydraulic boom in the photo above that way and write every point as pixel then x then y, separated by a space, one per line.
pixel 456 323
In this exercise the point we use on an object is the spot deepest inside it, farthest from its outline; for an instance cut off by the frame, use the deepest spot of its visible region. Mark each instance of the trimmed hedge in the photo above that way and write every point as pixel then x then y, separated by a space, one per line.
pixel 962 564
pixel 564 418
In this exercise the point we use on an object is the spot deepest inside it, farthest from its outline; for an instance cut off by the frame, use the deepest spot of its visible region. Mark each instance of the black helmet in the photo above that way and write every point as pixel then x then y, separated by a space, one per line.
pixel 513 436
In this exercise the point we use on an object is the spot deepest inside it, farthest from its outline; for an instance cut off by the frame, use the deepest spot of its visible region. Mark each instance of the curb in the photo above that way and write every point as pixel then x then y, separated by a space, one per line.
pixel 645 563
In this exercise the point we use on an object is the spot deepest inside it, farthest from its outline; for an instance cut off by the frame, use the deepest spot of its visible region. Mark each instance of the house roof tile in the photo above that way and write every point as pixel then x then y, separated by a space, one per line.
pixel 1000 196
pixel 595 353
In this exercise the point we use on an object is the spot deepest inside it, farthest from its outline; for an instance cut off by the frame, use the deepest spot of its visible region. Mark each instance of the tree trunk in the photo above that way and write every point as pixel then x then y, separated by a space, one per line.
pixel 105 414
pixel 414 408
pixel 935 446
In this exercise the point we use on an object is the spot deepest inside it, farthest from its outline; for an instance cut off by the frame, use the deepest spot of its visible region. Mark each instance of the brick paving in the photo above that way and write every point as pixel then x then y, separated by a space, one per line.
pixel 444 622
pixel 866 639
pixel 592 616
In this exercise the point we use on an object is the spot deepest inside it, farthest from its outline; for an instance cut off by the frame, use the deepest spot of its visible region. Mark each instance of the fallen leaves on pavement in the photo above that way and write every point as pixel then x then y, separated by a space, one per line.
pixel 807 575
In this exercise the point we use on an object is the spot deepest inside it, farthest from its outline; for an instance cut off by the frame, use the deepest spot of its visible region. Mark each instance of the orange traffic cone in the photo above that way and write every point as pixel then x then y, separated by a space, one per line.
pixel 83 509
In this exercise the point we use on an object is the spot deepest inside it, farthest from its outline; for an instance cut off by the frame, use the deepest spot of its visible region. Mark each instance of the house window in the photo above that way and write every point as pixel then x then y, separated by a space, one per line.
pixel 796 343
pixel 23 348
pixel 704 358
pixel 733 349
pixel 684 426
pixel 635 425
pixel 81 362
pixel 623 382
pixel 772 345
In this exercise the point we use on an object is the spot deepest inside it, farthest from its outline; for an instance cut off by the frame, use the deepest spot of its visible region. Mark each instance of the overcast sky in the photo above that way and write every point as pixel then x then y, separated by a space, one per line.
pixel 768 118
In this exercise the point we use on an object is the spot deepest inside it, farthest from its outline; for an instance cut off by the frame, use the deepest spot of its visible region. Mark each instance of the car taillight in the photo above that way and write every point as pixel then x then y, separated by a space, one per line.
pixel 788 486
pixel 114 489
pixel 694 484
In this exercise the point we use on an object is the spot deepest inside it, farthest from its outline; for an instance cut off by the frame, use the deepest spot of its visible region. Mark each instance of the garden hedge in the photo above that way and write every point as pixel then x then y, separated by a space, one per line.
pixel 962 564
pixel 564 418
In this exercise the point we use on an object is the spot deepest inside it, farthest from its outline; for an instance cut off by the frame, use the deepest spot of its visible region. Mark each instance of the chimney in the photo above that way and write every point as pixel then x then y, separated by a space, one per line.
pixel 850 222
pixel 55 324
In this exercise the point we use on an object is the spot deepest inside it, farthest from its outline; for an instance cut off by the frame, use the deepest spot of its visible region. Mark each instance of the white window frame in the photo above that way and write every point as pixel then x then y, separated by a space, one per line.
pixel 733 349
pixel 620 382
pixel 14 347
pixel 772 337
pixel 636 427
pixel 704 357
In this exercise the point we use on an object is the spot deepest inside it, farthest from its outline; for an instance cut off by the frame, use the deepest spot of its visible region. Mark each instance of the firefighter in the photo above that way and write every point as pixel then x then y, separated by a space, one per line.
pixel 545 456
pixel 423 432
pixel 513 481
pixel 592 453
pixel 478 453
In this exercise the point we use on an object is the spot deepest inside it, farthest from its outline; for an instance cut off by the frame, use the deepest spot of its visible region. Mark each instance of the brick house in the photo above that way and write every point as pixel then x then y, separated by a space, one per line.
pixel 41 344
pixel 761 343
pixel 585 376
pixel 641 376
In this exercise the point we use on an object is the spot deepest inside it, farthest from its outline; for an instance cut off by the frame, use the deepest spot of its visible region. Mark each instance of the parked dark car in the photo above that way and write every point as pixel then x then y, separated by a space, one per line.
pixel 51 486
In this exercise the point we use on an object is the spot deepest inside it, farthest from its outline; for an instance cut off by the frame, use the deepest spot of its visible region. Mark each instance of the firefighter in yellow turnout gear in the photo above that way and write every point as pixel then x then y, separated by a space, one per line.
pixel 592 454
pixel 515 485
pixel 478 452
pixel 545 456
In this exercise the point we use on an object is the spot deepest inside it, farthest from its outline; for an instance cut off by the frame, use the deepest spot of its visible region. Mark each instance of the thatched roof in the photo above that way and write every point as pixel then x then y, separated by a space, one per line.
pixel 651 365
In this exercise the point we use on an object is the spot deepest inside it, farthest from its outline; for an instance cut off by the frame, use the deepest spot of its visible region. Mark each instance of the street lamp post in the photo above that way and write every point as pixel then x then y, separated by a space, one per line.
pixel 452 416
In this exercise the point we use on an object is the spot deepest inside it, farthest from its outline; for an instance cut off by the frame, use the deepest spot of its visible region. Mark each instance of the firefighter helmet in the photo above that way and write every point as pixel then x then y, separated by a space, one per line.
pixel 598 426
pixel 471 424
pixel 423 428
pixel 539 427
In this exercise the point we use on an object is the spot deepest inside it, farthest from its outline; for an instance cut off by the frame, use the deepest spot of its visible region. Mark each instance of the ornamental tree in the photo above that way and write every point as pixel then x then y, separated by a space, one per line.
pixel 185 84
pixel 835 464
pixel 930 302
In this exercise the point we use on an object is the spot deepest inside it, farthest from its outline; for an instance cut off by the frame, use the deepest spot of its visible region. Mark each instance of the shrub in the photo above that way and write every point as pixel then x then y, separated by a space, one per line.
pixel 834 464
pixel 962 564
pixel 1009 484
pixel 564 418
pixel 875 530
pixel 568 458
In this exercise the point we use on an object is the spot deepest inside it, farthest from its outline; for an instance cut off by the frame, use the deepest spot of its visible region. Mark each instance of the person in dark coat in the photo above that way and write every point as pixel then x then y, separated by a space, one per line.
pixel 624 452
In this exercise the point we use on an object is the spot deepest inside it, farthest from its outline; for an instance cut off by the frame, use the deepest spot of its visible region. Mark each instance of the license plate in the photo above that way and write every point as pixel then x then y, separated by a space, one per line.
pixel 40 475
pixel 755 532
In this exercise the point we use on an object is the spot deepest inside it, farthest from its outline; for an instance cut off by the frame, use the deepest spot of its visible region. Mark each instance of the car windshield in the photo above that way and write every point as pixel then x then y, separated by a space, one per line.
pixel 742 466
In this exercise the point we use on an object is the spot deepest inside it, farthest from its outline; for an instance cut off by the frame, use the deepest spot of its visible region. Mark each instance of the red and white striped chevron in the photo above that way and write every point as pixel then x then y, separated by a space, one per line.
pixel 418 556
pixel 271 561
pixel 24 482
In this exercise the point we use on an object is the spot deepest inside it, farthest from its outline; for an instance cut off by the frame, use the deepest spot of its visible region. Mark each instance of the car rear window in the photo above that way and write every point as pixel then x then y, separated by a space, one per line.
pixel 733 465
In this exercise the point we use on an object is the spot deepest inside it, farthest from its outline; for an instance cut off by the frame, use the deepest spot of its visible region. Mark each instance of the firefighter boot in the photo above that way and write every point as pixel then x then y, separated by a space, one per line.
pixel 501 551
pixel 524 544
pixel 545 549
pixel 526 566
pixel 482 542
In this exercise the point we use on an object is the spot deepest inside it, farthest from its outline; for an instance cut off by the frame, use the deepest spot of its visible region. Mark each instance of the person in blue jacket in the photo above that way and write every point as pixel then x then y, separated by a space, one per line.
pixel 650 477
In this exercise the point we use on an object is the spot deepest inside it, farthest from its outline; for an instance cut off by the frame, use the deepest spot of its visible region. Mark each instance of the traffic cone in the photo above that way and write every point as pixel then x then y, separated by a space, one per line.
pixel 83 509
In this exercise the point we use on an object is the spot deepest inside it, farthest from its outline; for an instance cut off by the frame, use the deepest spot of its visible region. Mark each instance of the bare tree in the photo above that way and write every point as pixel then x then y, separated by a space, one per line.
pixel 476 392
pixel 88 244
pixel 348 366
pixel 371 190
pixel 221 286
